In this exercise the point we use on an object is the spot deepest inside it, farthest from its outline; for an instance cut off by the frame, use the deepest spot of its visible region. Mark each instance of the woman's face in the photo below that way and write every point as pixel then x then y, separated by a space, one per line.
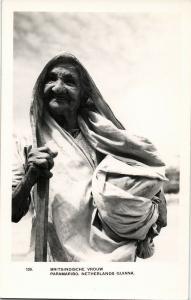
pixel 62 89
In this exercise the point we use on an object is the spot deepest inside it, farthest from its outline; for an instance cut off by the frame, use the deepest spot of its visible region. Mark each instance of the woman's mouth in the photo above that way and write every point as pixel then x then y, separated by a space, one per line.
pixel 61 99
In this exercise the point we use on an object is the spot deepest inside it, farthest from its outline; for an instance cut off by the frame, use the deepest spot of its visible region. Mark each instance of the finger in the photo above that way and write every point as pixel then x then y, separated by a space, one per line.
pixel 54 154
pixel 48 158
pixel 42 160
pixel 41 163
pixel 42 151
pixel 48 150
pixel 37 154
pixel 33 167
pixel 41 155
pixel 50 163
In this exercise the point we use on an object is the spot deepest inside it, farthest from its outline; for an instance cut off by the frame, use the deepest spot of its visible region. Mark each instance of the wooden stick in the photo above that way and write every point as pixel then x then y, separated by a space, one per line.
pixel 42 220
pixel 42 194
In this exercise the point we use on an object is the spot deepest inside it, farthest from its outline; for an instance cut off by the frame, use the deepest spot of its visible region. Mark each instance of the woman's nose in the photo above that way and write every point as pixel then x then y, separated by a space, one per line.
pixel 59 87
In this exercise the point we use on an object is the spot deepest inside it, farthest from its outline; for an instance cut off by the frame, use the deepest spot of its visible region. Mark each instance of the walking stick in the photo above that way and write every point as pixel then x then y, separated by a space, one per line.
pixel 42 219
pixel 42 193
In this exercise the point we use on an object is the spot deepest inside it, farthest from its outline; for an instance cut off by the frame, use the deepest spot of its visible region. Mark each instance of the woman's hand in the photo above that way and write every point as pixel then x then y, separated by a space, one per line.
pixel 40 161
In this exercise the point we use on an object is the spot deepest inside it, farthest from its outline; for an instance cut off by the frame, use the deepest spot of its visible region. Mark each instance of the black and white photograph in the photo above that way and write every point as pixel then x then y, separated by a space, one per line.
pixel 97 143
pixel 105 185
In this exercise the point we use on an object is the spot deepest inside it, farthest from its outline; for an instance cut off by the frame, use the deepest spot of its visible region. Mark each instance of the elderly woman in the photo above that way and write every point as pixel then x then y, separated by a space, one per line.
pixel 105 200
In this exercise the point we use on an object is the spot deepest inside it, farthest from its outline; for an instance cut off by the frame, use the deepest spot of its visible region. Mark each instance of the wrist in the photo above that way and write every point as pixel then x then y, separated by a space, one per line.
pixel 31 175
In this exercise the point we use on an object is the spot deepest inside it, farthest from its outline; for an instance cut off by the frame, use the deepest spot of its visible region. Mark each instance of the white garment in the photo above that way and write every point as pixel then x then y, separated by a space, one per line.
pixel 73 233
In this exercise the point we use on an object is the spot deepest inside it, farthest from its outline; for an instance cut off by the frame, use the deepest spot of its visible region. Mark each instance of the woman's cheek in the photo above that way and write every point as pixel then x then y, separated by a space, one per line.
pixel 47 88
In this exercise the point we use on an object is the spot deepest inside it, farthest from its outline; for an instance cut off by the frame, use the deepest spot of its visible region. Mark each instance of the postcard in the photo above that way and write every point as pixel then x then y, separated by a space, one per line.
pixel 95 149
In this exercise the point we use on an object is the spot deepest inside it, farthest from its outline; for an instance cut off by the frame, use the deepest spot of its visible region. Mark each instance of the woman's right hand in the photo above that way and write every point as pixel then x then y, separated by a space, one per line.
pixel 40 161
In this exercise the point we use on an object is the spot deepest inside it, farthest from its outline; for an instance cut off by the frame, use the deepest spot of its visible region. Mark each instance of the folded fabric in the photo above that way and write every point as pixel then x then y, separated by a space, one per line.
pixel 123 195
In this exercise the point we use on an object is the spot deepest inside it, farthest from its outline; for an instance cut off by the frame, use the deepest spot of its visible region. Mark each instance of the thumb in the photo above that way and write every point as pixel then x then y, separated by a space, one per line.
pixel 54 154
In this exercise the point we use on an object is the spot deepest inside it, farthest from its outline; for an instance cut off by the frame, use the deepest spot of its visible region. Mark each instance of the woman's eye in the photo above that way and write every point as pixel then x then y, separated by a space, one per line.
pixel 51 77
pixel 69 80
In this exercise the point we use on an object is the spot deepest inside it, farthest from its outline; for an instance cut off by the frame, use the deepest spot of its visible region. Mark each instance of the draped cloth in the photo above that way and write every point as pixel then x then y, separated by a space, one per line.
pixel 98 208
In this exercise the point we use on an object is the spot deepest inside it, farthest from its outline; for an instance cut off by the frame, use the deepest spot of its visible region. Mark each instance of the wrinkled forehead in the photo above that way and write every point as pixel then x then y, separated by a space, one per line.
pixel 65 68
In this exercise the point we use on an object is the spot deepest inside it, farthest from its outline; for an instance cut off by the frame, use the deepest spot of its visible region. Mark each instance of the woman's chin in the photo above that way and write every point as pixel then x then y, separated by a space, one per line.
pixel 58 109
